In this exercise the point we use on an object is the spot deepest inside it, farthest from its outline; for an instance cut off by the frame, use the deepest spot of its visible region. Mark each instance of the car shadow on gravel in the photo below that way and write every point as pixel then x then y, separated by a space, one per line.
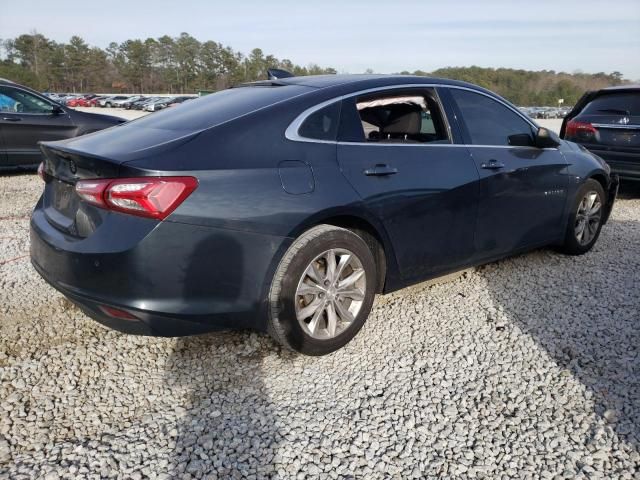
pixel 584 312
pixel 226 424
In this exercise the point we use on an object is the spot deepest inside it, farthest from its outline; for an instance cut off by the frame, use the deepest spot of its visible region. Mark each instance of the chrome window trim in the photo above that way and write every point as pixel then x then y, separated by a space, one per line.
pixel 616 125
pixel 291 133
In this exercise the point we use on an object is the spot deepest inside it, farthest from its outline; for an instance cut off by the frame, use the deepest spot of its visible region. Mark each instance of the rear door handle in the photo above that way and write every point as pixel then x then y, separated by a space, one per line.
pixel 380 170
pixel 492 165
pixel 11 119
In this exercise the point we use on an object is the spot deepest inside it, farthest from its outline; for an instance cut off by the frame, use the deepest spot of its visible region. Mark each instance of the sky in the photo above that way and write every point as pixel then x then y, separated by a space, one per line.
pixel 352 36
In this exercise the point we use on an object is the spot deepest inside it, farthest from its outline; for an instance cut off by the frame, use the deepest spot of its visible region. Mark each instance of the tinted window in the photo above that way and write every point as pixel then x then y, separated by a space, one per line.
pixel 323 124
pixel 217 108
pixel 615 103
pixel 489 122
pixel 19 101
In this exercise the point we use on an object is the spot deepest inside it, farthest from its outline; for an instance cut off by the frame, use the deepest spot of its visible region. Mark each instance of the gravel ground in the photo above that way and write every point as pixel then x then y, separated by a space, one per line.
pixel 526 368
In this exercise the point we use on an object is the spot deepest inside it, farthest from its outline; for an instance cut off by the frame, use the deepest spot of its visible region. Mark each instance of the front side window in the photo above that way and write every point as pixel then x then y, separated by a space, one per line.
pixel 19 101
pixel 490 122
pixel 394 117
pixel 322 124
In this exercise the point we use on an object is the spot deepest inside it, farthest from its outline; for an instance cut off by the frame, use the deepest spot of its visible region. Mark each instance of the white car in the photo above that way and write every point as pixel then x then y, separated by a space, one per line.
pixel 109 101
pixel 120 102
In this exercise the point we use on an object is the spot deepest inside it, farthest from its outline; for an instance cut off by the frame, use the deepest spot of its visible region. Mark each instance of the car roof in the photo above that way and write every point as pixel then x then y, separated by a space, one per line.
pixel 630 87
pixel 362 80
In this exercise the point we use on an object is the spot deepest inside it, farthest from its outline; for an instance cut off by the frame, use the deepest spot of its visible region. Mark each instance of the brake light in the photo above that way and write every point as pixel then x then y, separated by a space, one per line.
pixel 580 130
pixel 152 197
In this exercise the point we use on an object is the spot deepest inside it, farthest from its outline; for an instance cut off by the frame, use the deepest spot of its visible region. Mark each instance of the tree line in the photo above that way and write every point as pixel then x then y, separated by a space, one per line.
pixel 156 65
pixel 184 64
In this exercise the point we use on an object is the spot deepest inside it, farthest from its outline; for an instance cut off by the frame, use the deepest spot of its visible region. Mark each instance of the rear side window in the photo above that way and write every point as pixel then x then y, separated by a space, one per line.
pixel 614 104
pixel 217 108
pixel 488 121
pixel 322 124
pixel 405 116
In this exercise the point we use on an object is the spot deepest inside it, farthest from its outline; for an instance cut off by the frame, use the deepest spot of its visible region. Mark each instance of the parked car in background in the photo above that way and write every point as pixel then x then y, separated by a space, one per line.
pixel 320 193
pixel 81 101
pixel 139 105
pixel 131 100
pixel 109 101
pixel 27 117
pixel 607 122
pixel 158 104
pixel 121 102
pixel 178 100
pixel 94 102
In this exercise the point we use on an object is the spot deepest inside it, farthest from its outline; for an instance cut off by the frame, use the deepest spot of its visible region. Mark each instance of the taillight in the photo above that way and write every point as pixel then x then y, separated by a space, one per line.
pixel 580 130
pixel 117 313
pixel 153 197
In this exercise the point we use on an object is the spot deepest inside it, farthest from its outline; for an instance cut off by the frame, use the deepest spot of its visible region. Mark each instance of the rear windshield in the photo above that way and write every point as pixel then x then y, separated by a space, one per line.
pixel 218 107
pixel 614 103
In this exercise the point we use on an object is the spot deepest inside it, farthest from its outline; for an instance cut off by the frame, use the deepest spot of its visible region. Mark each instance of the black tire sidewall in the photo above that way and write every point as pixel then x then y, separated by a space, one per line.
pixel 295 336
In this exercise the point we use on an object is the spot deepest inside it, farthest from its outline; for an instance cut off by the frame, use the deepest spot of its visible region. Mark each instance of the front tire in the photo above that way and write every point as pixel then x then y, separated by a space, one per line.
pixel 585 219
pixel 322 291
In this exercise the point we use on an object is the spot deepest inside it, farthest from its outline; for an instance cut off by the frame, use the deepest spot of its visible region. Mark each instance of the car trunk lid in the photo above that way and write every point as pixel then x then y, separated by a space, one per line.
pixel 63 208
pixel 617 130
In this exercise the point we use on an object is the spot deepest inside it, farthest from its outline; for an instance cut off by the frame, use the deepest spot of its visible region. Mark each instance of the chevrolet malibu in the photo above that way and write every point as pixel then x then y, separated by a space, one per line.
pixel 286 205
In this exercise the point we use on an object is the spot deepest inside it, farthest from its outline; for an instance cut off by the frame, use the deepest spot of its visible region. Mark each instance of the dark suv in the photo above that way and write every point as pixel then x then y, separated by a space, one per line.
pixel 27 117
pixel 607 122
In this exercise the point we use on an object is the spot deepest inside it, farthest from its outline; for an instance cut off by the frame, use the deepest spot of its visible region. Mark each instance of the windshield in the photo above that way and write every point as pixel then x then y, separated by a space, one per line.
pixel 615 104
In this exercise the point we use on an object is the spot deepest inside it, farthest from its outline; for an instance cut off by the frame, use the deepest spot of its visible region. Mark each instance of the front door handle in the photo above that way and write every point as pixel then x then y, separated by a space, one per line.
pixel 380 170
pixel 492 165
pixel 11 119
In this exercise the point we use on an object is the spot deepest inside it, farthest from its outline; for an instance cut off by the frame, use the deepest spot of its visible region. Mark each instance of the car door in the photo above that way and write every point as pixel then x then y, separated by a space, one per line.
pixel 419 186
pixel 523 189
pixel 27 119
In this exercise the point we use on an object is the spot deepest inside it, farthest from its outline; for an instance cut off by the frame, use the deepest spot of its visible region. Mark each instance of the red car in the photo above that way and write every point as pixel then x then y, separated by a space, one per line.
pixel 84 101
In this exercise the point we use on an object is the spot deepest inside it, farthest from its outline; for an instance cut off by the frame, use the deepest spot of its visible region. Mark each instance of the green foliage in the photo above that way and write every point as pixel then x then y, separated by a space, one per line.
pixel 185 65
pixel 527 88
pixel 166 64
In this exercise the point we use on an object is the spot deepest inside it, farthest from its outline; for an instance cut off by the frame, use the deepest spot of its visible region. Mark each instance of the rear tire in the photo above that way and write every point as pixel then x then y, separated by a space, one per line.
pixel 322 291
pixel 585 220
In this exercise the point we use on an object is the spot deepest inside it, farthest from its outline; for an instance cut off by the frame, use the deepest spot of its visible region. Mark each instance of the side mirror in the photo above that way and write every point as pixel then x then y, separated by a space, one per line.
pixel 56 110
pixel 520 140
pixel 545 138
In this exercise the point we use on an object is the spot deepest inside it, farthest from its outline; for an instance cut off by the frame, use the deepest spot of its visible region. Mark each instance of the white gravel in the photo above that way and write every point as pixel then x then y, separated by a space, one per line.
pixel 527 368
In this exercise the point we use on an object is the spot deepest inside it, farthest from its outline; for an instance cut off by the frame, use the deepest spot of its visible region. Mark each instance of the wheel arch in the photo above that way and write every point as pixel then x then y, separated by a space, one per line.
pixel 601 178
pixel 373 234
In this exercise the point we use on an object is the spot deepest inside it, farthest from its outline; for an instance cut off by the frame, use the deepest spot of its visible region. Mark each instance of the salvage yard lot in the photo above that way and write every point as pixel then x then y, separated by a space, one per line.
pixel 525 368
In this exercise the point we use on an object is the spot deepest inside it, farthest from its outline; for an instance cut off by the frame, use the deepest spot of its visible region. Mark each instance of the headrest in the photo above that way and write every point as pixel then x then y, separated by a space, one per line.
pixel 405 118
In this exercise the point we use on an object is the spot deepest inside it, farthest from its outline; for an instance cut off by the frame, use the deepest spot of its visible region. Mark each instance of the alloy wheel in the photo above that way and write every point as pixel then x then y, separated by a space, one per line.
pixel 588 217
pixel 330 293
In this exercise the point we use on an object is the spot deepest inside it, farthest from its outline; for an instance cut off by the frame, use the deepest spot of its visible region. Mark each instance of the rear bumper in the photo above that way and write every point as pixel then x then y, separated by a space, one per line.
pixel 178 280
pixel 625 164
